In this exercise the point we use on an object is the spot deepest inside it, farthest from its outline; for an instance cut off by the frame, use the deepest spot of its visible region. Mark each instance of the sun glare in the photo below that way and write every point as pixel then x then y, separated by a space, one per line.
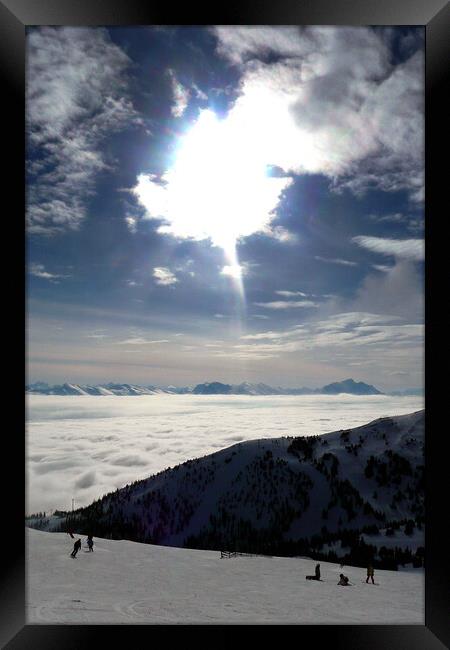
pixel 218 186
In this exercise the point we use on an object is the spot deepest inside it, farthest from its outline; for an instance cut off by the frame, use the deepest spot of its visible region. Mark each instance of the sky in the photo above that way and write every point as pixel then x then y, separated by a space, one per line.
pixel 225 204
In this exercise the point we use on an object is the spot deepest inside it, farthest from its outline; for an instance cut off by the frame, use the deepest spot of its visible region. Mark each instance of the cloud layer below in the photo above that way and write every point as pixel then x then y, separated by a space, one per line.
pixel 84 447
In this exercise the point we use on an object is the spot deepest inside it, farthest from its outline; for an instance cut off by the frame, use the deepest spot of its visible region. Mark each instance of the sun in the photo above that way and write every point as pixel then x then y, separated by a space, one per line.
pixel 218 187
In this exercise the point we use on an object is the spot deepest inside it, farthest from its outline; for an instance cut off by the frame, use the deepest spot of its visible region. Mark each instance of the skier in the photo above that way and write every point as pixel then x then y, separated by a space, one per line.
pixel 317 574
pixel 76 548
pixel 90 543
pixel 343 580
pixel 370 574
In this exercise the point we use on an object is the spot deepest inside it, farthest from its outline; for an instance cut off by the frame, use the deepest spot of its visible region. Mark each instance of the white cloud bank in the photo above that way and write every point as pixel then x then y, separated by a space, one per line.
pixel 84 447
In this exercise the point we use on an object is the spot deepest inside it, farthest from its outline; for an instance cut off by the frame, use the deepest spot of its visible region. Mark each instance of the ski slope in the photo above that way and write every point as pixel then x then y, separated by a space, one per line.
pixel 126 582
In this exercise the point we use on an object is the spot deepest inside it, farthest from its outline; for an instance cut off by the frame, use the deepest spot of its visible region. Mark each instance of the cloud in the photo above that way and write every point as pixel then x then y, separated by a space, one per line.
pixel 38 270
pixel 239 43
pixel 85 481
pixel 398 291
pixel 331 102
pixel 261 336
pixel 96 335
pixel 353 332
pixel 287 304
pixel 181 95
pixel 316 100
pixel 291 294
pixel 128 460
pixel 410 249
pixel 282 235
pixel 140 341
pixel 76 97
pixel 413 224
pixel 234 270
pixel 383 268
pixel 155 432
pixel 332 260
pixel 131 223
pixel 395 217
pixel 164 276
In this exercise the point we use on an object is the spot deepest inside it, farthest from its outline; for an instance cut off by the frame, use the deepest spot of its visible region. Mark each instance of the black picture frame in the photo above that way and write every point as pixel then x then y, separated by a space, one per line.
pixel 434 15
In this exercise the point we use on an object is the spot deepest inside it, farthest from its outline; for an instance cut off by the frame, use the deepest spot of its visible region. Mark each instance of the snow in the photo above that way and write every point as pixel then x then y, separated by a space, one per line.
pixel 125 582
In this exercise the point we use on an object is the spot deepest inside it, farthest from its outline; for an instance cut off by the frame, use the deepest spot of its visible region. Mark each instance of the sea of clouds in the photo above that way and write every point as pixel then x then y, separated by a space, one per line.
pixel 84 447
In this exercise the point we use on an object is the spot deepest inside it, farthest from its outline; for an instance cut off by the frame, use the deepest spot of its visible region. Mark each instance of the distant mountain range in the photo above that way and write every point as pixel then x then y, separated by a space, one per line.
pixel 346 386
pixel 208 388
pixel 41 388
pixel 331 495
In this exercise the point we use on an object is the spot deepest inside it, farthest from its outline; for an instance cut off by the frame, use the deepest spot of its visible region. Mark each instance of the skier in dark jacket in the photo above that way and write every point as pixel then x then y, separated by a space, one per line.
pixel 76 548
pixel 317 574
pixel 343 580
pixel 90 543
pixel 370 574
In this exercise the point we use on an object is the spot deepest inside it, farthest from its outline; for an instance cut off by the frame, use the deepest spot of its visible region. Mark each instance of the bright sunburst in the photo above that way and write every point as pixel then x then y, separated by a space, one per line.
pixel 218 187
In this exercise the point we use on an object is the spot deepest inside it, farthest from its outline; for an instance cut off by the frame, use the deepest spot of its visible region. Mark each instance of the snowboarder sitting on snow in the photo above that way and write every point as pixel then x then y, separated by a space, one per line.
pixel 76 548
pixel 370 574
pixel 343 580
pixel 317 575
pixel 90 543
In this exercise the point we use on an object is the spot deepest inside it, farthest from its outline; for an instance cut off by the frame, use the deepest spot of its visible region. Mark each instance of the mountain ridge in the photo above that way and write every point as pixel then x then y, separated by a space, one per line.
pixel 286 496
pixel 207 388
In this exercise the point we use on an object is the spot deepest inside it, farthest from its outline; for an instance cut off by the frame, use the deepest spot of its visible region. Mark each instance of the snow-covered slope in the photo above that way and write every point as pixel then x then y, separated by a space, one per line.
pixel 293 496
pixel 126 582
